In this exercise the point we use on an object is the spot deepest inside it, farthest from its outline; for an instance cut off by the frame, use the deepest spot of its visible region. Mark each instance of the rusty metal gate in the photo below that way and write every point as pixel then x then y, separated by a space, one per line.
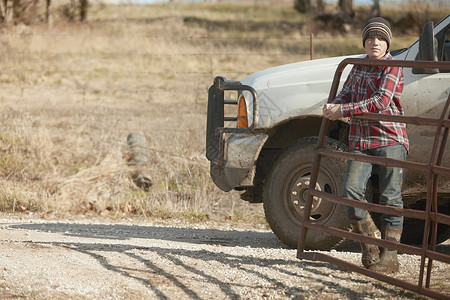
pixel 431 216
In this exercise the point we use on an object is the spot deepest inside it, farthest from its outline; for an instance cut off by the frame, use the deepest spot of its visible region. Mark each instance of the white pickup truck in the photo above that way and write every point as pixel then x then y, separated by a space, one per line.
pixel 267 150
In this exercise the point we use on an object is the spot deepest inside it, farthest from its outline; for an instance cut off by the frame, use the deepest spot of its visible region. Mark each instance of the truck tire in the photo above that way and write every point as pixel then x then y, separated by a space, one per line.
pixel 285 194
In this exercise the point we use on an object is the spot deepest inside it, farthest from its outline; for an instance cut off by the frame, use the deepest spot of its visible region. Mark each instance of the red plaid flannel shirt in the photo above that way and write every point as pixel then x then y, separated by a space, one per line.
pixel 373 89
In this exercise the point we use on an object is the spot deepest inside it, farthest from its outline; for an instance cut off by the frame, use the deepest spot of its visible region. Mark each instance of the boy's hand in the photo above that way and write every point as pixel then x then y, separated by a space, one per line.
pixel 332 111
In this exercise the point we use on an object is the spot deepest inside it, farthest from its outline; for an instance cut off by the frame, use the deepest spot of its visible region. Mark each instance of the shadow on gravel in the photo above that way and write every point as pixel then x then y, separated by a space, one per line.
pixel 219 237
pixel 251 239
pixel 159 267
pixel 150 275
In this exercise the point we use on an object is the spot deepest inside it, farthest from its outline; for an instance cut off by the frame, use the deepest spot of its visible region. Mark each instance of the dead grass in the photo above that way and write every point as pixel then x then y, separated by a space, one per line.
pixel 70 95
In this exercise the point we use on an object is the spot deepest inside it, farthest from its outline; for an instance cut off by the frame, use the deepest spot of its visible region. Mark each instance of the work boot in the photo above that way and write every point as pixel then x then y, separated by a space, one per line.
pixel 388 258
pixel 370 253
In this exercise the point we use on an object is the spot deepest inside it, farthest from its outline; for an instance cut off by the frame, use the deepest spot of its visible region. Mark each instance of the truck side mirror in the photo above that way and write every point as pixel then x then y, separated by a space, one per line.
pixel 428 46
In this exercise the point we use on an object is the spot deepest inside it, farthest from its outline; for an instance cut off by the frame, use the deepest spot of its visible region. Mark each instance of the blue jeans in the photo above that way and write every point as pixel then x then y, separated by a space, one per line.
pixel 390 182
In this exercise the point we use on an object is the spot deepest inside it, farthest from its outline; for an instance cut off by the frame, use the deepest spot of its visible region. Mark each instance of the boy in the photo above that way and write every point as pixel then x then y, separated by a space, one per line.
pixel 374 89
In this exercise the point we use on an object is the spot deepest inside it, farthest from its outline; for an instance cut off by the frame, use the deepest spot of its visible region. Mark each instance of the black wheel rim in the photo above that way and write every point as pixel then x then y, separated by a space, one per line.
pixel 295 191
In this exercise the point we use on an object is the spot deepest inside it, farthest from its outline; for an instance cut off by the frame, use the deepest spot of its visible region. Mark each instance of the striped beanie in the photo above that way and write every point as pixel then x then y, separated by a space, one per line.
pixel 377 26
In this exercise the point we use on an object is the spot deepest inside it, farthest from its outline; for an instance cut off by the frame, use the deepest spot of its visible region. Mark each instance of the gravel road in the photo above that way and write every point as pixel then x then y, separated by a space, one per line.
pixel 41 259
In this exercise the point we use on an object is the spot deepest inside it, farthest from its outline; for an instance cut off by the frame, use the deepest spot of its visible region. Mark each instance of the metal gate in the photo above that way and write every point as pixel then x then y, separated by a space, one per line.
pixel 430 215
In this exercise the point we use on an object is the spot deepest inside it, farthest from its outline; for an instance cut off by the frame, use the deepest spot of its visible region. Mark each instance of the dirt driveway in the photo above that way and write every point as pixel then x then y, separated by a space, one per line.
pixel 133 260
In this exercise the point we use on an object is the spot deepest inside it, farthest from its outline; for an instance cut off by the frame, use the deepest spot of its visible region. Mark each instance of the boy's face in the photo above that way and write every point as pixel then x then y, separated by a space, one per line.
pixel 375 46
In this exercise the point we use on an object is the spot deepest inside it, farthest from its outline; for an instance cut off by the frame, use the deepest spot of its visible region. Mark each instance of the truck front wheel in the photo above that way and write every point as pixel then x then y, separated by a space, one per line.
pixel 285 194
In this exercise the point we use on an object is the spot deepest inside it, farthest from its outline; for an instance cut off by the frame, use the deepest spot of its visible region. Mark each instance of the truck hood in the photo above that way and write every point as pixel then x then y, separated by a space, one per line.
pixel 294 89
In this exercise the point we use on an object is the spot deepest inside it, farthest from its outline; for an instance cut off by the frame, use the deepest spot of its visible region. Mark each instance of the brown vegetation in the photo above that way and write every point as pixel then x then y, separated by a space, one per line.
pixel 70 95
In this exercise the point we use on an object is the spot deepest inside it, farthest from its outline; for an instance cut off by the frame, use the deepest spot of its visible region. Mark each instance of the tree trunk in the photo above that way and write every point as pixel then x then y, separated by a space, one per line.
pixel 48 13
pixel 375 11
pixel 346 9
pixel 2 10
pixel 9 11
pixel 83 10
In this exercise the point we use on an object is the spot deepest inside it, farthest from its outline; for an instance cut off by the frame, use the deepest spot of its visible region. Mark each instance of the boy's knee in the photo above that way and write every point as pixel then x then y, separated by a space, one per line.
pixel 356 213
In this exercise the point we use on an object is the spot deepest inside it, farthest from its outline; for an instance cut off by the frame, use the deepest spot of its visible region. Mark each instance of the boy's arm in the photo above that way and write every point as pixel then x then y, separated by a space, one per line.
pixel 344 95
pixel 332 110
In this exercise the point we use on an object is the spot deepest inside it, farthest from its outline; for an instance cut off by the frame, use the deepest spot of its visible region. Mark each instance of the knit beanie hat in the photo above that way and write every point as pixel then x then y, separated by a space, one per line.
pixel 377 26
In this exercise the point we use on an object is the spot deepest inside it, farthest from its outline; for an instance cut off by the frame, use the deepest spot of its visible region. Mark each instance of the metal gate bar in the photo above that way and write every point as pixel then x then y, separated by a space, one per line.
pixel 433 169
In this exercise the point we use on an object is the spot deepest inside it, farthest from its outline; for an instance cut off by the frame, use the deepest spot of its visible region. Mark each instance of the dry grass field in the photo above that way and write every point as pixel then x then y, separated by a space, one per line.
pixel 71 94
